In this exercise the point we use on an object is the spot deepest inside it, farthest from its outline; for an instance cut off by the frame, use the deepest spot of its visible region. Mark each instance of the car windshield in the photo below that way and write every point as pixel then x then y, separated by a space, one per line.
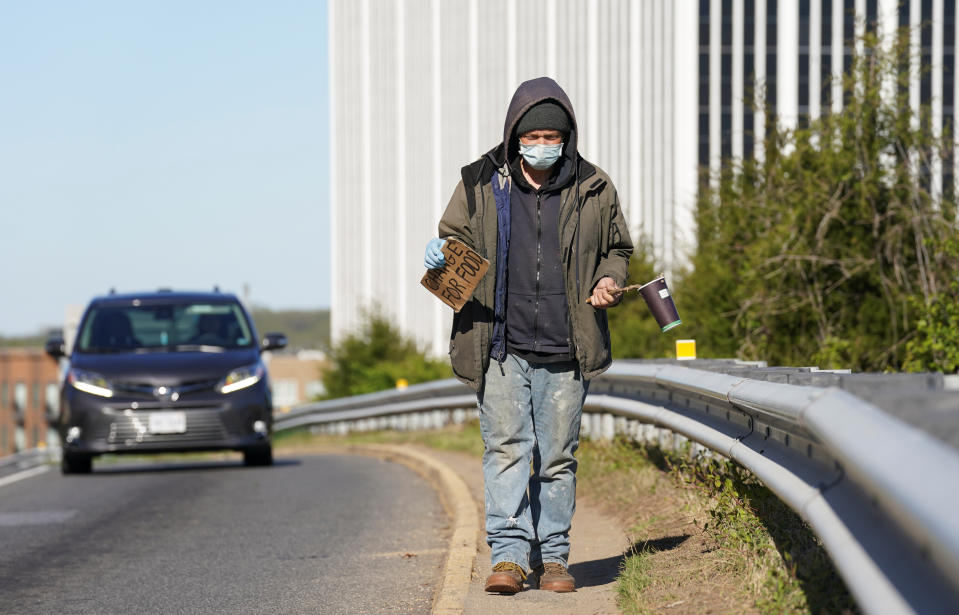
pixel 210 327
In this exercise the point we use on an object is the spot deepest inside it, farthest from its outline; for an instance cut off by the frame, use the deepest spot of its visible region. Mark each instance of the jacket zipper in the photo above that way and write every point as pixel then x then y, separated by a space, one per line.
pixel 539 264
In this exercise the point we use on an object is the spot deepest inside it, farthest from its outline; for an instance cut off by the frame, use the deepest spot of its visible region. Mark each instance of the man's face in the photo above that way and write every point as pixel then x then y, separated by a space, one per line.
pixel 541 137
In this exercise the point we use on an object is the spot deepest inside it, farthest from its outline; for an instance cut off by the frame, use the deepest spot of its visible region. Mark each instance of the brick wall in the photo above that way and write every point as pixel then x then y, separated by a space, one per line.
pixel 28 389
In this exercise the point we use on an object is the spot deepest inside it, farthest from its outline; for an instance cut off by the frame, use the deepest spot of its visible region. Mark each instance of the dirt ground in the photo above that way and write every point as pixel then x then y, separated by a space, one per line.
pixel 687 575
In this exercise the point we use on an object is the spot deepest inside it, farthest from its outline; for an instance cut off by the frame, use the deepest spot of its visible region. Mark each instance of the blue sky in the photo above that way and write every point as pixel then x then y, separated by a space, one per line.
pixel 162 143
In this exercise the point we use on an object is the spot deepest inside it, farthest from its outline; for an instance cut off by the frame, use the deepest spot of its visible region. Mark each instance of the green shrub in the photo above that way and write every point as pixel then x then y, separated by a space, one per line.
pixel 375 357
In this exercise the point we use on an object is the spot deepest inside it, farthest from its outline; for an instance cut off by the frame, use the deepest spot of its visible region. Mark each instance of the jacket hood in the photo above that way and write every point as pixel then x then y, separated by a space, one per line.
pixel 528 94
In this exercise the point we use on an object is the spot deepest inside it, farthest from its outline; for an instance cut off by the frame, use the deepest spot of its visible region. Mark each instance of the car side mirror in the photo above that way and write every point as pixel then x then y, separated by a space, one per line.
pixel 273 341
pixel 55 347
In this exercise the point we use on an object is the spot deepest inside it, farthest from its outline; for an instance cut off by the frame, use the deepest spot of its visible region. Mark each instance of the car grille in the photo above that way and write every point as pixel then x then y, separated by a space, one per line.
pixel 201 425
pixel 149 391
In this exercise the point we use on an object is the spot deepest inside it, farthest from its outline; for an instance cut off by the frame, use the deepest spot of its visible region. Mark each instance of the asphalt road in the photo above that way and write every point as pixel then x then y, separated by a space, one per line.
pixel 320 534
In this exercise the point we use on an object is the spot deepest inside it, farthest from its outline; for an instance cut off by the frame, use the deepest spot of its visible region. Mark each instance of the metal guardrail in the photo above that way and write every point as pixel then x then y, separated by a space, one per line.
pixel 26 459
pixel 875 474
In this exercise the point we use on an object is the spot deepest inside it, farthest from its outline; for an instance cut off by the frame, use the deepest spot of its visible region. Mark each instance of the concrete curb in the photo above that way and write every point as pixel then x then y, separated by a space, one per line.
pixel 455 495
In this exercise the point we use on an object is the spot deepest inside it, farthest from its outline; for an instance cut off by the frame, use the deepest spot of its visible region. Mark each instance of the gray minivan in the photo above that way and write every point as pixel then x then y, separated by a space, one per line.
pixel 165 372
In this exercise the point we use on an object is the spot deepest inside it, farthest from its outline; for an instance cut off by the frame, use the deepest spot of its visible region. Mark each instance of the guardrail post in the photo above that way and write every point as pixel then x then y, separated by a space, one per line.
pixel 607 427
pixel 664 439
pixel 619 425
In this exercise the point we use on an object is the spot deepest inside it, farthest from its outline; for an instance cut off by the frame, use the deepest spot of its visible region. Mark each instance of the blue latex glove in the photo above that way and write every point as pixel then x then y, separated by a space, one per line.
pixel 434 254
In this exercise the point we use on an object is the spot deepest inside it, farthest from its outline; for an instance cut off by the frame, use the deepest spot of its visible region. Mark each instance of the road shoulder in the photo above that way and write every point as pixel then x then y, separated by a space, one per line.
pixel 598 540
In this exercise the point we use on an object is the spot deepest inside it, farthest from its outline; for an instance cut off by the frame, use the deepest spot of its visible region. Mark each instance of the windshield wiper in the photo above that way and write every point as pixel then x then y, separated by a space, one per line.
pixel 149 349
pixel 200 347
pixel 106 350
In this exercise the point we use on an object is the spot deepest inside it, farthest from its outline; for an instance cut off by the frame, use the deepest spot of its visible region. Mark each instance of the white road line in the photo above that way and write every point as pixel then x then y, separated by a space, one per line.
pixel 6 480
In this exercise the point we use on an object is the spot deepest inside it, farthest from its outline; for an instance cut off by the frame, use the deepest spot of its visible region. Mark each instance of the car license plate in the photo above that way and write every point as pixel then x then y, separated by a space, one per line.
pixel 167 422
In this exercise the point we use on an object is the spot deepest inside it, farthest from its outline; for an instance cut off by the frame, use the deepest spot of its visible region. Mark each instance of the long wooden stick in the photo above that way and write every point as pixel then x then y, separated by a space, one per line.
pixel 616 291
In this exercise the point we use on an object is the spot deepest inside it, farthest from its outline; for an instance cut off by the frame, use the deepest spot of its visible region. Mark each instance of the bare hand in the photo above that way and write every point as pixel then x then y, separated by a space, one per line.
pixel 601 297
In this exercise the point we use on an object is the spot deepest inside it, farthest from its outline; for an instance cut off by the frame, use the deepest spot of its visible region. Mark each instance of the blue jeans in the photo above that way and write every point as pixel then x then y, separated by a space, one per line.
pixel 530 414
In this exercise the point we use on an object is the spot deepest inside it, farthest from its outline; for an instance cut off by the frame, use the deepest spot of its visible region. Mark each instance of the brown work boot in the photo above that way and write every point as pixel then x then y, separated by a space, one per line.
pixel 554 577
pixel 507 578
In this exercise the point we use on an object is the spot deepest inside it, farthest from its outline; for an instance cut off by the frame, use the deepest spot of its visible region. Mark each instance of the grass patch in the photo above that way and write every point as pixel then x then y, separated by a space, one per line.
pixel 709 523
pixel 789 570
pixel 634 579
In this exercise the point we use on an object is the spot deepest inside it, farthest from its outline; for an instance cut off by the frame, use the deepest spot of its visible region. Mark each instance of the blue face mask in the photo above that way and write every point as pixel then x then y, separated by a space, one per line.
pixel 540 156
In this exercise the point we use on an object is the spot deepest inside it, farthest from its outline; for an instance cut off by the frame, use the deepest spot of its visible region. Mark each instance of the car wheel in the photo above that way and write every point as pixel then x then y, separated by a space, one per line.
pixel 261 456
pixel 76 464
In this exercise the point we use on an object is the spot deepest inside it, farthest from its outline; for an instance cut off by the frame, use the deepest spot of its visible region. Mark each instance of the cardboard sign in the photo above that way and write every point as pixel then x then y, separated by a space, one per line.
pixel 455 281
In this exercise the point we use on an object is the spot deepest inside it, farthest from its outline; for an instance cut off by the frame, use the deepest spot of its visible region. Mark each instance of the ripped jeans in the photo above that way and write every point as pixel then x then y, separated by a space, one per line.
pixel 530 414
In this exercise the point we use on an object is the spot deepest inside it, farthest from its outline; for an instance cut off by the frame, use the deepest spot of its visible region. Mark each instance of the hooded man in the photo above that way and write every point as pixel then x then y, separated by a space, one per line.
pixel 535 331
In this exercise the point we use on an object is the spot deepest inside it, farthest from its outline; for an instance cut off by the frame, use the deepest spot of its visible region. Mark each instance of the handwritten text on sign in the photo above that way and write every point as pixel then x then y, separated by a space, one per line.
pixel 455 281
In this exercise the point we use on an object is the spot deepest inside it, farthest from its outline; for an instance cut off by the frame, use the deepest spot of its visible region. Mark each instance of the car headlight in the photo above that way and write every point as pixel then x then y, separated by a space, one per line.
pixel 241 378
pixel 91 383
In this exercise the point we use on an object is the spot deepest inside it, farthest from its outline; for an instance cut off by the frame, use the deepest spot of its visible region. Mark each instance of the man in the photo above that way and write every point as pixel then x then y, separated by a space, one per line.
pixel 528 341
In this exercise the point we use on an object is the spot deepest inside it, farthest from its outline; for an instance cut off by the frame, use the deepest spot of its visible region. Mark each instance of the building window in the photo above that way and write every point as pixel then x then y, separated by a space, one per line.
pixel 925 87
pixel 771 42
pixel 848 43
pixel 3 394
pixel 52 401
pixel 726 81
pixel 872 15
pixel 749 75
pixel 803 102
pixel 904 10
pixel 286 392
pixel 825 65
pixel 20 397
pixel 948 94
pixel 704 83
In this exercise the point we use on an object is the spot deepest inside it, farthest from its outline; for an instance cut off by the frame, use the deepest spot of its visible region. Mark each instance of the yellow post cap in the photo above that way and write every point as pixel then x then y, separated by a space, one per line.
pixel 685 349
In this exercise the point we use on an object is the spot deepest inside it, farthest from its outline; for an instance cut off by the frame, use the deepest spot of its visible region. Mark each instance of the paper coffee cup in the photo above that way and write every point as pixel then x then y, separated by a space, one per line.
pixel 660 302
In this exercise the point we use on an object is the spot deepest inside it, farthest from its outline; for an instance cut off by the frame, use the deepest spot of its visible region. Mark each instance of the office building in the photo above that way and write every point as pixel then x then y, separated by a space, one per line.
pixel 662 90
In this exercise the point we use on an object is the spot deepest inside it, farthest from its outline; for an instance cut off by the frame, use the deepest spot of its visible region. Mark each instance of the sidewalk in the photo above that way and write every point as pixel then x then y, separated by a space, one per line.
pixel 598 543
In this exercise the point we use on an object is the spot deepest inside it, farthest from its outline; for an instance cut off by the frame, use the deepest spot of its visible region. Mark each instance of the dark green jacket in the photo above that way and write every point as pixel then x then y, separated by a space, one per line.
pixel 594 243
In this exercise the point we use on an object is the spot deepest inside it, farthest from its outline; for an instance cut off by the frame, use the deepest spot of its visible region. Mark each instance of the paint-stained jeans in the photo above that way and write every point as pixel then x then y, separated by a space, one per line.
pixel 530 413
